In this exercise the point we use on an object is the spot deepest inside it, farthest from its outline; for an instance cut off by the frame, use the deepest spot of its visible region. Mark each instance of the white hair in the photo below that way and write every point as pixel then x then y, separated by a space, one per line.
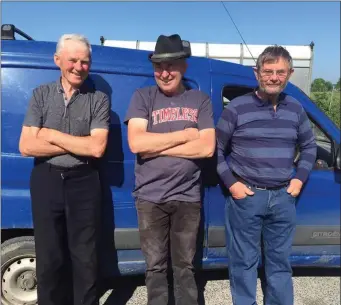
pixel 74 37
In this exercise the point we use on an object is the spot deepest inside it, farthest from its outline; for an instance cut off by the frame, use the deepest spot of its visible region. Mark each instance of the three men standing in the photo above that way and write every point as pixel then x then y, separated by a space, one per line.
pixel 171 129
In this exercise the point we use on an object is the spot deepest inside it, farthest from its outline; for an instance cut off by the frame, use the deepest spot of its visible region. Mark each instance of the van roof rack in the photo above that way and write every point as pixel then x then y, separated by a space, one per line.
pixel 8 31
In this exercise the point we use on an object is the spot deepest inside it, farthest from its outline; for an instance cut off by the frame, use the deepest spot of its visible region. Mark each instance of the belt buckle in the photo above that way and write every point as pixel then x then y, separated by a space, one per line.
pixel 260 188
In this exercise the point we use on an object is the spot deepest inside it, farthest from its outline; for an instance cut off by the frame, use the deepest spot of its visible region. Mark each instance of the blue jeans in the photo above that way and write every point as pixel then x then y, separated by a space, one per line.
pixel 270 214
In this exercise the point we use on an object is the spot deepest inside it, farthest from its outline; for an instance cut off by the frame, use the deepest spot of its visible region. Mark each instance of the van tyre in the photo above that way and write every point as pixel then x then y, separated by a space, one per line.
pixel 18 272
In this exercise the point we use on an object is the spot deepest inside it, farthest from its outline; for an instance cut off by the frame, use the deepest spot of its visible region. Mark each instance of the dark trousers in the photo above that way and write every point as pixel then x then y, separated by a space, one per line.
pixel 175 223
pixel 270 214
pixel 65 207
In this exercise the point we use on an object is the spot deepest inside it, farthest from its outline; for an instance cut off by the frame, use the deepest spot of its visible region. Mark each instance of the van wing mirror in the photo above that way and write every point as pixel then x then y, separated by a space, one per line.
pixel 187 47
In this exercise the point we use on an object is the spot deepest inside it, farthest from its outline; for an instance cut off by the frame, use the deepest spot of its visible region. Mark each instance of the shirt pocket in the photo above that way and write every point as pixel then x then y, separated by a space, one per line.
pixel 80 127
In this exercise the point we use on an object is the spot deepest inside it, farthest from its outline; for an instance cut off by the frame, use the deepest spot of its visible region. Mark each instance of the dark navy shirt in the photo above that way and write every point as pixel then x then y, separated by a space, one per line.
pixel 262 142
pixel 167 178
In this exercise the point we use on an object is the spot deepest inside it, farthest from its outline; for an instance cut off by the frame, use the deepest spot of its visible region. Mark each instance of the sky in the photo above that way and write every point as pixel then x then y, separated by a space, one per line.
pixel 283 23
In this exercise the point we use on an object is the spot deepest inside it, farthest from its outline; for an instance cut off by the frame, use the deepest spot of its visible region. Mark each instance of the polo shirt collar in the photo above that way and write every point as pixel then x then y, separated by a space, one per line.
pixel 260 103
pixel 87 86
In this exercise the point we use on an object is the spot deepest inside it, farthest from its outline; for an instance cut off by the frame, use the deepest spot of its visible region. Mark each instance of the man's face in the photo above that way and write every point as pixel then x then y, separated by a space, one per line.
pixel 168 75
pixel 74 62
pixel 273 76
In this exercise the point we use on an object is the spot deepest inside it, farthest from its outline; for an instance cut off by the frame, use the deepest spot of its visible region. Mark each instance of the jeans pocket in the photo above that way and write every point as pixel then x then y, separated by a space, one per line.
pixel 292 199
pixel 240 200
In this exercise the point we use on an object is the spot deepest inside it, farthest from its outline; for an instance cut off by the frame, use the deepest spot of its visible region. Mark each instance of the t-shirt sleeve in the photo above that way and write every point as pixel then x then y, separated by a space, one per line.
pixel 137 107
pixel 101 116
pixel 34 114
pixel 205 115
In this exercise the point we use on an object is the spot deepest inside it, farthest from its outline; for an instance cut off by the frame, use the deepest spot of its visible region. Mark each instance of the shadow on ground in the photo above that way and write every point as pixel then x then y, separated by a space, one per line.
pixel 123 288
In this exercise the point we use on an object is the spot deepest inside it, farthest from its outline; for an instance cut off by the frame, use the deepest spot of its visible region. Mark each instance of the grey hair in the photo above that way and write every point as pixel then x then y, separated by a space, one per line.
pixel 272 54
pixel 73 37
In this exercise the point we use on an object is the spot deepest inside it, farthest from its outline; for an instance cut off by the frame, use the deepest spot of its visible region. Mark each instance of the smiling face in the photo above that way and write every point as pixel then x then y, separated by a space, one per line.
pixel 168 75
pixel 74 62
pixel 273 76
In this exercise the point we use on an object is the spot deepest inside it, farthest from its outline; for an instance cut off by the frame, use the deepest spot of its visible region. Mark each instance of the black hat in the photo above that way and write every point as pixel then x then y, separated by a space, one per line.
pixel 170 48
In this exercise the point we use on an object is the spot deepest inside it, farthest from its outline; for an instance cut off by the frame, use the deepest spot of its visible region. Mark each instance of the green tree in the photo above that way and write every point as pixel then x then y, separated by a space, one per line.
pixel 329 86
pixel 329 103
pixel 319 85
pixel 337 86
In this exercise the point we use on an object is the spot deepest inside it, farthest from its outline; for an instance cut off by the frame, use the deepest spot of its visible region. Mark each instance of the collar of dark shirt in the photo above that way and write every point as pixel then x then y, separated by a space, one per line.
pixel 87 86
pixel 260 103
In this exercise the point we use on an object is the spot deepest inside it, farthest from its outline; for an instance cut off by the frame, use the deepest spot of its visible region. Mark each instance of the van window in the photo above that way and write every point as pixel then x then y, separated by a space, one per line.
pixel 324 157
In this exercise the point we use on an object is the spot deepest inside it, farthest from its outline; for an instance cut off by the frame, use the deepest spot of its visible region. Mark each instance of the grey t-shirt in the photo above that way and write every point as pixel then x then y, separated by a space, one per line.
pixel 164 178
pixel 87 109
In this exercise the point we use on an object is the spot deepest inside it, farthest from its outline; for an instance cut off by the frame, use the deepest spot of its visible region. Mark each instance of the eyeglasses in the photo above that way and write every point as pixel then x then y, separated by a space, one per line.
pixel 269 73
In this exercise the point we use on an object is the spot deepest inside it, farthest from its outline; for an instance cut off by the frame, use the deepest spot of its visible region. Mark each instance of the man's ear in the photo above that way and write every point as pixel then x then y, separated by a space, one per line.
pixel 255 70
pixel 56 60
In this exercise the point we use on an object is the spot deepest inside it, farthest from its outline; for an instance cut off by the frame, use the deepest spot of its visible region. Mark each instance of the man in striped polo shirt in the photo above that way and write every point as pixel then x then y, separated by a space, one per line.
pixel 262 130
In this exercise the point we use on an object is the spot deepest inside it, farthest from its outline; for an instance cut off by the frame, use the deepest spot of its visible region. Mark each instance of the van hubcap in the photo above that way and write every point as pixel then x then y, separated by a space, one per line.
pixel 19 282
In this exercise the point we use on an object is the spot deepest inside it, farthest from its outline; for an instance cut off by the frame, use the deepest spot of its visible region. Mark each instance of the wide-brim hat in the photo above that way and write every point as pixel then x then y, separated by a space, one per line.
pixel 170 48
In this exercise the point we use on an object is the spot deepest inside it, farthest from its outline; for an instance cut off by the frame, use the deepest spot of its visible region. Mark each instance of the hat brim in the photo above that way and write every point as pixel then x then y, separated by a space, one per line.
pixel 156 58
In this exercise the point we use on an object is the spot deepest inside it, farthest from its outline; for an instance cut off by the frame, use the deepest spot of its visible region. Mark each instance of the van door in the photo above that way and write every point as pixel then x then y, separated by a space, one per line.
pixel 318 208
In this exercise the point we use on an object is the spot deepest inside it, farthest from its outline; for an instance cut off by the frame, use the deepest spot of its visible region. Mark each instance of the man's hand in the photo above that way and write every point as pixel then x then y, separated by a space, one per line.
pixel 47 134
pixel 239 190
pixel 295 187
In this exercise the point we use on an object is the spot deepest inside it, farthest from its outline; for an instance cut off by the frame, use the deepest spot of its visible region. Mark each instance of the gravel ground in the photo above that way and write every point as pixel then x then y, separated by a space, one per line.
pixel 310 289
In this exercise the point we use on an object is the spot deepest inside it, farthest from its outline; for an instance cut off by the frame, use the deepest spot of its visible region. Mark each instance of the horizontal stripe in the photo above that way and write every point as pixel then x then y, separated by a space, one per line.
pixel 253 116
pixel 263 162
pixel 251 108
pixel 225 125
pixel 264 152
pixel 270 172
pixel 309 152
pixel 305 127
pixel 287 115
pixel 222 167
pixel 243 100
pixel 270 124
pixel 304 164
pixel 275 133
pixel 261 143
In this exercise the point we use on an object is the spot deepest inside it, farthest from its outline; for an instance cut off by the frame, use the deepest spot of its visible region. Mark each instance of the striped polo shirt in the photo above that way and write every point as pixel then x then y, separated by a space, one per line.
pixel 261 142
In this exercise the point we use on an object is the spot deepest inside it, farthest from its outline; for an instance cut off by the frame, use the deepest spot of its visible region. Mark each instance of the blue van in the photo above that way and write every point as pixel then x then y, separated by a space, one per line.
pixel 118 72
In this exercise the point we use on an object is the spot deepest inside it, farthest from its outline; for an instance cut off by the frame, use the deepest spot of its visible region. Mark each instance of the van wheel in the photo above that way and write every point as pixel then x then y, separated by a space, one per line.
pixel 18 272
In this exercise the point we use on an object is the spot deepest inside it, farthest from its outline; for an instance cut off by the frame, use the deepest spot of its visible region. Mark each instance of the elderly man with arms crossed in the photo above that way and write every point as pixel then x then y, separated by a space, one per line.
pixel 170 128
pixel 65 130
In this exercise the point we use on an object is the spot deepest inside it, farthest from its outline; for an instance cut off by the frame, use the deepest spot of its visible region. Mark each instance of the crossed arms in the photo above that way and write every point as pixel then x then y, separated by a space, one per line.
pixel 44 142
pixel 188 143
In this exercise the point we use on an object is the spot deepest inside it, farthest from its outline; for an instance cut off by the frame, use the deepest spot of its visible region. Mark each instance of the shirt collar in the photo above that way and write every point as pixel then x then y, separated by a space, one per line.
pixel 87 86
pixel 260 103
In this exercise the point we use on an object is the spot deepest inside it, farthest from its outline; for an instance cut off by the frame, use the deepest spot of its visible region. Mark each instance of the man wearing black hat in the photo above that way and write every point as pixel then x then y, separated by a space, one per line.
pixel 170 128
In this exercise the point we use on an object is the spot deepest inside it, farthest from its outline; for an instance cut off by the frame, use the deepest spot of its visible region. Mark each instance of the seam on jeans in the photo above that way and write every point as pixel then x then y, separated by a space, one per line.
pixel 232 280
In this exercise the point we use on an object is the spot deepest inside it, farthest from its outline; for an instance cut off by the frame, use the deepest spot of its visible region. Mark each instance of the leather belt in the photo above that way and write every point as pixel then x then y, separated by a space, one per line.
pixel 77 168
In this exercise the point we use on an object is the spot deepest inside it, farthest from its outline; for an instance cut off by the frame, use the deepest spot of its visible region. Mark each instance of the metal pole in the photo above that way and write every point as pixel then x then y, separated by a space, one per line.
pixel 310 73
